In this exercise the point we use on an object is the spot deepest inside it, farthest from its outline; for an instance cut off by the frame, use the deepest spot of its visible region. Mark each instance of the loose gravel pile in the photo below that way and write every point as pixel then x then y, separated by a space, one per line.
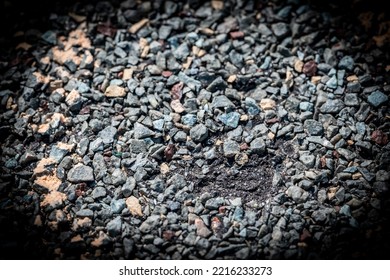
pixel 195 130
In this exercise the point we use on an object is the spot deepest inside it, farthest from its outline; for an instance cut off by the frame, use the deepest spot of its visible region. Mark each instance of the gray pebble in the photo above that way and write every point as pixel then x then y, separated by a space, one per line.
pixel 80 173
pixel 141 131
pixel 199 133
pixel 332 106
pixel 107 134
pixel 114 227
pixel 230 148
pixel 377 98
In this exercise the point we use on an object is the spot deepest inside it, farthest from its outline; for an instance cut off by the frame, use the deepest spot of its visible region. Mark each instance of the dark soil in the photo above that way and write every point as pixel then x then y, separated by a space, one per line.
pixel 252 182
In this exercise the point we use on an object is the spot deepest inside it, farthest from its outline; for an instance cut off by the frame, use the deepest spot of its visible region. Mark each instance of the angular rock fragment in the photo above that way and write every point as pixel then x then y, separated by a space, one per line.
pixel 80 173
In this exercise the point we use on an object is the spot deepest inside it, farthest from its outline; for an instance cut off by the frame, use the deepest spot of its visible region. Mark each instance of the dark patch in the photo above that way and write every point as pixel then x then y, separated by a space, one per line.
pixel 4 132
pixel 286 149
pixel 169 151
pixel 245 83
pixel 253 181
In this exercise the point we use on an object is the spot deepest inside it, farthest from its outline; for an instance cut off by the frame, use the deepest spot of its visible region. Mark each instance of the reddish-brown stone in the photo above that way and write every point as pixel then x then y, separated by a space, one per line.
pixel 310 68
pixel 379 137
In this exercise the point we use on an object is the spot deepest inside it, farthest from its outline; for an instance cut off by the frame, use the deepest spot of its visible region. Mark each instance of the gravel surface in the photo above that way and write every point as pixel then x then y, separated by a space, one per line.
pixel 195 130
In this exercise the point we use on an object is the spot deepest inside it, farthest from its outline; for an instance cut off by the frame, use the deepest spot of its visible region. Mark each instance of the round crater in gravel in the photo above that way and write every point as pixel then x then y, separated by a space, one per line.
pixel 252 182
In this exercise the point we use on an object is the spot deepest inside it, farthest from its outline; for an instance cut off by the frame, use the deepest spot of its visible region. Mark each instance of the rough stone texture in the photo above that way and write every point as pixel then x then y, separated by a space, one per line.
pixel 194 130
pixel 80 173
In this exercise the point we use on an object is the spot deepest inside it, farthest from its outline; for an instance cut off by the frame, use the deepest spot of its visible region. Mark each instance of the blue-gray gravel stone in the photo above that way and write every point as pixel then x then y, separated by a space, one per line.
pixel 96 145
pixel 50 37
pixel 332 106
pixel 351 99
pixel 99 192
pixel 214 203
pixel 252 107
pixel 199 133
pixel 258 146
pixel 221 101
pixel 320 215
pixel 346 63
pixel 58 153
pixel 307 159
pixel 332 82
pixel 84 213
pixel 118 177
pixel 314 127
pixel 114 227
pixel 377 98
pixel 80 173
pixel 266 63
pixel 192 83
pixel 107 134
pixel 150 223
pixel 141 131
pixel 180 136
pixel 330 57
pixel 117 205
pixel 280 29
pixel 230 119
pixel 189 119
pixel 297 194
pixel 230 148
pixel 137 146
pixel 182 51
pixel 306 106
pixel 264 30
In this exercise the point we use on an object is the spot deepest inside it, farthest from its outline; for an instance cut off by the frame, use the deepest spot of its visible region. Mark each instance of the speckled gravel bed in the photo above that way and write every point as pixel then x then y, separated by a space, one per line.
pixel 195 130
